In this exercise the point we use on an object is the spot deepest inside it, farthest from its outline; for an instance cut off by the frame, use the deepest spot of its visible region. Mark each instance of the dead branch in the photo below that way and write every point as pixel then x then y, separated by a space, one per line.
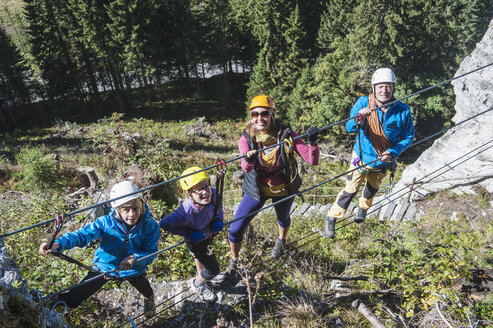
pixel 367 313
pixel 364 292
pixel 441 315
pixel 363 278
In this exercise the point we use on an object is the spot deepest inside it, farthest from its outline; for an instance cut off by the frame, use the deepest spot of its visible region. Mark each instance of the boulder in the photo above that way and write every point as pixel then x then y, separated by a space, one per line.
pixel 462 157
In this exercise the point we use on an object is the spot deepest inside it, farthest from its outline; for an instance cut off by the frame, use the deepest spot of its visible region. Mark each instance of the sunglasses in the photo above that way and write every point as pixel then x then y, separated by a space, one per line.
pixel 264 114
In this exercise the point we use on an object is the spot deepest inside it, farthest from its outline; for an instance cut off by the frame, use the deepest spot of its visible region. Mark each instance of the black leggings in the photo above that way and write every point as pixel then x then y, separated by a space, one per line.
pixel 79 294
pixel 199 252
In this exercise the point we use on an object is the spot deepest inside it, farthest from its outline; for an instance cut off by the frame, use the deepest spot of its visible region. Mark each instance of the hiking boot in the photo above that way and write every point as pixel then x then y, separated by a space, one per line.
pixel 330 227
pixel 228 274
pixel 360 215
pixel 278 248
pixel 205 292
pixel 149 306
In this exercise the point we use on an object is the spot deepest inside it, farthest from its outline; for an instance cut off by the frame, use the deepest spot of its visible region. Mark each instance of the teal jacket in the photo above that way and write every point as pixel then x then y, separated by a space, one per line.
pixel 117 242
pixel 397 123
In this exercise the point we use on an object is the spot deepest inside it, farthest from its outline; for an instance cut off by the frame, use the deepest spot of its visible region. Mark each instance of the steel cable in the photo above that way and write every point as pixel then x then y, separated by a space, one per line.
pixel 271 205
pixel 234 159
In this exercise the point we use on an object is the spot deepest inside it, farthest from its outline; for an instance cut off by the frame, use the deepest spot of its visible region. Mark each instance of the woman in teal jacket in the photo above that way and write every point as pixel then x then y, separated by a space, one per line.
pixel 127 234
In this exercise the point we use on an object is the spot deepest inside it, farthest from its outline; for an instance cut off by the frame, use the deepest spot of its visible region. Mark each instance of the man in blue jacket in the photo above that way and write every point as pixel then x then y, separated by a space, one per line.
pixel 382 135
pixel 127 234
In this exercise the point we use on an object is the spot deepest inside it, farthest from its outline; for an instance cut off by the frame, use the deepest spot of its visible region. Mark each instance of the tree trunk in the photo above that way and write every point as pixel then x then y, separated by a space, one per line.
pixel 3 121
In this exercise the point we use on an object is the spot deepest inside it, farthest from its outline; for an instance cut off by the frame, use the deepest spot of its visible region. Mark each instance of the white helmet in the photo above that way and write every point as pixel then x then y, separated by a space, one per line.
pixel 121 189
pixel 383 75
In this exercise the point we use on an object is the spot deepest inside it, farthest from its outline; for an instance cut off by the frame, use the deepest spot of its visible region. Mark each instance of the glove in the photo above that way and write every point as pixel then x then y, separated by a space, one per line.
pixel 312 133
pixel 251 159
pixel 196 236
pixel 217 225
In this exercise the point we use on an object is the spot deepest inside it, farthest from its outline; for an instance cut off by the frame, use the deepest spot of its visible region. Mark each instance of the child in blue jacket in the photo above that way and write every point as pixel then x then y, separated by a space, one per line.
pixel 194 220
pixel 127 233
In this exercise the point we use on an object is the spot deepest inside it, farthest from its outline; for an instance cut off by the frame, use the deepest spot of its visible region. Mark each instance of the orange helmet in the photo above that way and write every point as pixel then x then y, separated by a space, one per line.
pixel 262 101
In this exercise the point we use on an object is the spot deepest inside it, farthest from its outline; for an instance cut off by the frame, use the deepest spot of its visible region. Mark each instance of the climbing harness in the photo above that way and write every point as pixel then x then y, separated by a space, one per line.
pixel 56 230
pixel 222 168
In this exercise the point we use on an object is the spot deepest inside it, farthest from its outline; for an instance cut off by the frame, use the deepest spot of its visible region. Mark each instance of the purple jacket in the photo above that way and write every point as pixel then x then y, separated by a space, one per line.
pixel 188 217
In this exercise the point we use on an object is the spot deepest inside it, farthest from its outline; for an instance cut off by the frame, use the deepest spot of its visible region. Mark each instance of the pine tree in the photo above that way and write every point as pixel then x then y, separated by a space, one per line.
pixel 293 60
pixel 51 47
pixel 277 26
pixel 13 90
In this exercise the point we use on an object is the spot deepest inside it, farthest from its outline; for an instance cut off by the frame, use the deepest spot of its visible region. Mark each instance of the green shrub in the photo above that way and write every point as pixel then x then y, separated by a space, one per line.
pixel 38 172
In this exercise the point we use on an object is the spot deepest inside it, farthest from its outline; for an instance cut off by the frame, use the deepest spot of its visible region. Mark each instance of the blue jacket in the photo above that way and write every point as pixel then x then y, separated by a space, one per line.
pixel 397 123
pixel 116 242
pixel 188 217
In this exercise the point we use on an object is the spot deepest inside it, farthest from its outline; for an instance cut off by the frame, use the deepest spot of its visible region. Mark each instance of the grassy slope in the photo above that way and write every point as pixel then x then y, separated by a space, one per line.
pixel 420 261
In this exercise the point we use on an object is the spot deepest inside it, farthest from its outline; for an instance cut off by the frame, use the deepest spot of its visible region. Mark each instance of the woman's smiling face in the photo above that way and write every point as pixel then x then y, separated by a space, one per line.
pixel 261 118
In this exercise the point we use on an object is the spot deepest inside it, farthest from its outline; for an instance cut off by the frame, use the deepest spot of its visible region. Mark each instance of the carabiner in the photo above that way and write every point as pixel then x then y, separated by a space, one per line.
pixel 221 168
pixel 56 229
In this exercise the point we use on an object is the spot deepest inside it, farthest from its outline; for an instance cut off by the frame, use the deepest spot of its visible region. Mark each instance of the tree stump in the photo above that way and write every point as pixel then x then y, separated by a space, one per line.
pixel 90 175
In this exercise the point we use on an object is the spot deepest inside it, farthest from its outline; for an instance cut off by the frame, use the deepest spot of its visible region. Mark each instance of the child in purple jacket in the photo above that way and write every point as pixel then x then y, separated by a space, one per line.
pixel 194 220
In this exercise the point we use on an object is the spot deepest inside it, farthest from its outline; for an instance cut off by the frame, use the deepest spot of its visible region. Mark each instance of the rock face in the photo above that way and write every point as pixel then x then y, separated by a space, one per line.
pixel 17 305
pixel 472 140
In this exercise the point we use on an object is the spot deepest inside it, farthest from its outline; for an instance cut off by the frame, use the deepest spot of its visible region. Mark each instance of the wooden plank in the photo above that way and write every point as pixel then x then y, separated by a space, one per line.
pixel 313 210
pixel 323 210
pixel 375 210
pixel 411 212
pixel 349 210
pixel 402 211
pixel 390 210
pixel 293 207
pixel 302 209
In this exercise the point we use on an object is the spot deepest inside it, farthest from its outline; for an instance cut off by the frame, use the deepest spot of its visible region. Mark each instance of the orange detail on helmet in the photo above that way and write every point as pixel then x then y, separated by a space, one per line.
pixel 262 101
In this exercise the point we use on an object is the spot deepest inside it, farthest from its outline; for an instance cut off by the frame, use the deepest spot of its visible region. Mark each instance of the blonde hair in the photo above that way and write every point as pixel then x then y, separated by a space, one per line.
pixel 273 129
pixel 136 202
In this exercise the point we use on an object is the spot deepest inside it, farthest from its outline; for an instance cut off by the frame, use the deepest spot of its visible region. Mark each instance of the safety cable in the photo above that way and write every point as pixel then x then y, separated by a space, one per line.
pixel 167 307
pixel 341 221
pixel 236 158
pixel 275 203
pixel 47 297
pixel 447 165
pixel 159 304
